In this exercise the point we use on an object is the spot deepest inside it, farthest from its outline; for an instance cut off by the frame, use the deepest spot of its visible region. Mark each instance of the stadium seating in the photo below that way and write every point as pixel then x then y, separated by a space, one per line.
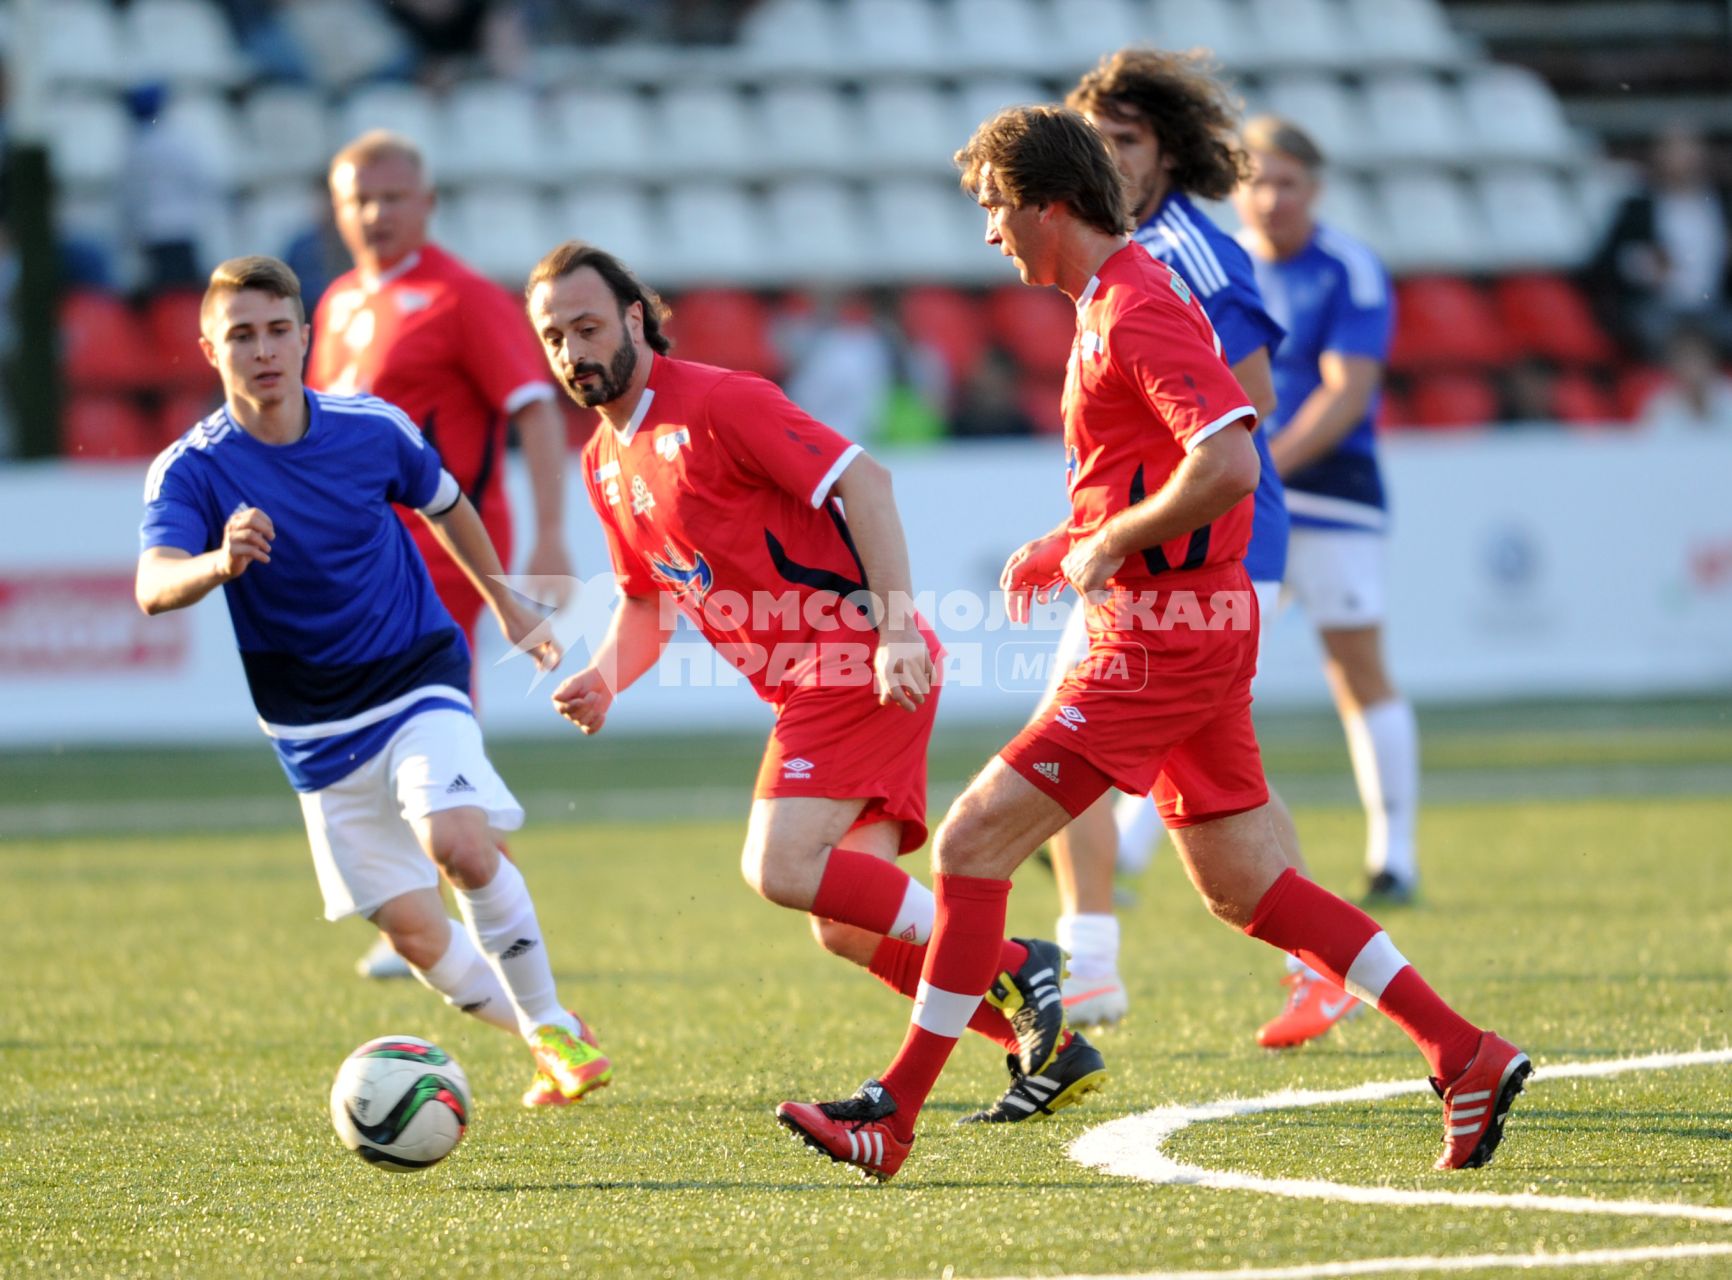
pixel 705 130
pixel 799 37
pixel 1533 218
pixel 185 43
pixel 600 132
pixel 1581 401
pixel 716 235
pixel 1446 400
pixel 1396 32
pixel 999 37
pixel 1443 322
pixel 179 410
pixel 1298 33
pixel 1036 326
pixel 172 321
pixel 1432 222
pixel 286 129
pixel 1414 119
pixel 817 231
pixel 401 108
pixel 727 327
pixel 926 229
pixel 492 132
pixel 1514 116
pixel 908 127
pixel 621 219
pixel 102 427
pixel 1206 24
pixel 1330 113
pixel 268 220
pixel 211 126
pixel 103 347
pixel 88 136
pixel 808 129
pixel 83 46
pixel 500 230
pixel 894 37
pixel 948 321
pixel 1548 316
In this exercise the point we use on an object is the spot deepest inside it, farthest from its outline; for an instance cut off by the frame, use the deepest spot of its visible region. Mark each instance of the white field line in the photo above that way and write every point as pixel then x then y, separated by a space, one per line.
pixel 1418 1265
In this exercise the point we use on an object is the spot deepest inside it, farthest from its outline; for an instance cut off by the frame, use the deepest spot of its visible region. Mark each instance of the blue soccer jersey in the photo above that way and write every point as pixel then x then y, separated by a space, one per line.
pixel 1333 295
pixel 341 634
pixel 1220 273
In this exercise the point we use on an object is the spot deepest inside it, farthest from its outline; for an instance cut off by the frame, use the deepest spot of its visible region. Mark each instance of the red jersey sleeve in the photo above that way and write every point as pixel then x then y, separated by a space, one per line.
pixel 1174 364
pixel 771 436
pixel 500 351
pixel 631 574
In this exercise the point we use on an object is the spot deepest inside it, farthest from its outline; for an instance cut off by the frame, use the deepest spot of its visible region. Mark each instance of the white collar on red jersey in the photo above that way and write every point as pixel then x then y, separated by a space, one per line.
pixel 396 271
pixel 1087 295
pixel 637 416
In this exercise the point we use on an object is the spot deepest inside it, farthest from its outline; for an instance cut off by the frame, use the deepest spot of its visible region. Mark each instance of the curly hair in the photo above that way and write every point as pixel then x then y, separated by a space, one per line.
pixel 1178 96
pixel 1041 155
pixel 626 287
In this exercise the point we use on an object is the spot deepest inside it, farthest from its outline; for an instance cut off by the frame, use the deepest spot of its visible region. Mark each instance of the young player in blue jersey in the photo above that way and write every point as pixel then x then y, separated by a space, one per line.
pixel 283 497
pixel 1169 125
pixel 1334 297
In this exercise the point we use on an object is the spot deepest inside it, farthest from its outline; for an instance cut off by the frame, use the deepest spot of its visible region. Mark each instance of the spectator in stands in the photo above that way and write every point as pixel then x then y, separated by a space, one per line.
pixel 841 364
pixel 169 192
pixel 259 29
pixel 449 35
pixel 1696 396
pixel 988 404
pixel 1668 255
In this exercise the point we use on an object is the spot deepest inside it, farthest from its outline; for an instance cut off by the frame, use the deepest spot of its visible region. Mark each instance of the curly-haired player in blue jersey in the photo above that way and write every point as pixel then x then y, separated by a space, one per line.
pixel 283 497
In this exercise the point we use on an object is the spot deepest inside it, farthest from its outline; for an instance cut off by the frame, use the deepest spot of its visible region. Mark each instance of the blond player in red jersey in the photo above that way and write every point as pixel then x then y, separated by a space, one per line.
pixel 780 540
pixel 1161 472
pixel 412 325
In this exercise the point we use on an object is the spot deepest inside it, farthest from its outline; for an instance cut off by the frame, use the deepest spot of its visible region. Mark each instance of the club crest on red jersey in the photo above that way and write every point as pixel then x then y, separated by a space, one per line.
pixel 686 578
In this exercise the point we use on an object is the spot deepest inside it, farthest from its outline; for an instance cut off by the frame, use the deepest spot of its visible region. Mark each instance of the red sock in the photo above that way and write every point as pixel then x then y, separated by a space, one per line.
pixel 1351 949
pixel 897 965
pixel 961 962
pixel 861 890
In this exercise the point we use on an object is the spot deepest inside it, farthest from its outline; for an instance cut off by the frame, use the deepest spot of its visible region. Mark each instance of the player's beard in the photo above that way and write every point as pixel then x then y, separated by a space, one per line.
pixel 611 381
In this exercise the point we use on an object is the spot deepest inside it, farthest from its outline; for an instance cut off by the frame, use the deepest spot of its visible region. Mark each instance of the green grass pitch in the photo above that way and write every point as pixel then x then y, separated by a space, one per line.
pixel 176 1008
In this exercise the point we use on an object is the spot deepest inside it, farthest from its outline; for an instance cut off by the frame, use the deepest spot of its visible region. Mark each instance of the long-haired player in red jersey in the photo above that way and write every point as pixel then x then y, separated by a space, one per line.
pixel 780 540
pixel 1161 472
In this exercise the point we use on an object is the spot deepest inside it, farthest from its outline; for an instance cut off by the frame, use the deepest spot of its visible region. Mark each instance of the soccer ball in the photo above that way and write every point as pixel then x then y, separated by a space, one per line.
pixel 400 1103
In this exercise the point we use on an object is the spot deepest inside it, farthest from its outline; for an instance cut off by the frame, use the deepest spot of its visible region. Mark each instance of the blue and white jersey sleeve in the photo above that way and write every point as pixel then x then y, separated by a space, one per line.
pixel 1219 272
pixel 416 464
pixel 1361 314
pixel 179 510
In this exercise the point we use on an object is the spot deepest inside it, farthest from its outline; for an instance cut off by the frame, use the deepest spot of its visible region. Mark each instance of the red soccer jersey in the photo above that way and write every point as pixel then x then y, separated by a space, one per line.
pixel 450 348
pixel 718 493
pixel 1146 384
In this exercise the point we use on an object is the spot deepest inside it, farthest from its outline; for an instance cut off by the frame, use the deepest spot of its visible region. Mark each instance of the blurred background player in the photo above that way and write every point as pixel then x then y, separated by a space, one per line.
pixel 781 540
pixel 413 325
pixel 1334 298
pixel 1170 127
pixel 359 675
pixel 1161 476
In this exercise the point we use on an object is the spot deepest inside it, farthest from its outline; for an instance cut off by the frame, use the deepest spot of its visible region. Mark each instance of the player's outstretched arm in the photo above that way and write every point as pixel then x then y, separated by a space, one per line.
pixel 460 531
pixel 170 578
pixel 635 639
pixel 541 431
pixel 902 667
pixel 1216 474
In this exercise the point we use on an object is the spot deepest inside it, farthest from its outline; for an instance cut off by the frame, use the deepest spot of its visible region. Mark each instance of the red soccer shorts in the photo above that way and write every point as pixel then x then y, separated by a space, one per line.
pixel 1161 711
pixel 839 743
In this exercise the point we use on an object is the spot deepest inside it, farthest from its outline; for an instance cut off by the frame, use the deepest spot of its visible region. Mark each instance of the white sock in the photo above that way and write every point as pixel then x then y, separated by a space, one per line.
pixel 1140 831
pixel 501 919
pixel 468 982
pixel 1384 743
pixel 1093 944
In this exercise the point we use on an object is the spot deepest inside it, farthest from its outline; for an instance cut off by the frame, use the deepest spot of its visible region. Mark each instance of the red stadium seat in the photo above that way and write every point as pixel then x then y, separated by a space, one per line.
pixel 1393 411
pixel 101 427
pixel 1040 396
pixel 1036 326
pixel 1454 400
pixel 1579 400
pixel 103 346
pixel 726 327
pixel 1548 316
pixel 1442 323
pixel 179 410
pixel 950 322
pixel 173 321
pixel 1635 386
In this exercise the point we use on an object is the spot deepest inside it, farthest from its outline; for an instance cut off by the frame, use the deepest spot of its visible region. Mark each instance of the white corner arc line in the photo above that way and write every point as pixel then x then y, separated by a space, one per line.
pixel 1132 1147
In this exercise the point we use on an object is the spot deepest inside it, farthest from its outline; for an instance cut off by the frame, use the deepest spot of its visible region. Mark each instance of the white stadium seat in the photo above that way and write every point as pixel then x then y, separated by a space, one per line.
pixel 270 219
pixel 1004 36
pixel 1533 217
pixel 401 108
pixel 1220 26
pixel 807 128
pixel 791 37
pixel 210 123
pixel 926 230
pixel 493 132
pixel 705 130
pixel 183 42
pixel 1515 116
pixel 983 98
pixel 908 127
pixel 286 131
pixel 1346 204
pixel 82 45
pixel 894 37
pixel 622 219
pixel 1403 32
pixel 1308 34
pixel 1327 110
pixel 715 235
pixel 1414 118
pixel 88 137
pixel 598 131
pixel 1432 221
pixel 1083 30
pixel 817 232
pixel 500 230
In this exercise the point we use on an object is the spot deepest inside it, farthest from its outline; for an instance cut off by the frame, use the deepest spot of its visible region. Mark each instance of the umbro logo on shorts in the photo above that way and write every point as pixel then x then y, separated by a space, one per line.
pixel 523 946
pixel 1048 769
pixel 797 768
pixel 459 783
pixel 1070 718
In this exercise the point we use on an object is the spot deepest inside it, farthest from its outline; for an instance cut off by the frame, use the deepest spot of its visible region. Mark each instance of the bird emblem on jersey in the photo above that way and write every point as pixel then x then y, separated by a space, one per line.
pixel 685 578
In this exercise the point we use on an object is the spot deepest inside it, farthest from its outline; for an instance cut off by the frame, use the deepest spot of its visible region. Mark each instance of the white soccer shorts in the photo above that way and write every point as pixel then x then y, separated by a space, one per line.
pixel 364 850
pixel 1337 576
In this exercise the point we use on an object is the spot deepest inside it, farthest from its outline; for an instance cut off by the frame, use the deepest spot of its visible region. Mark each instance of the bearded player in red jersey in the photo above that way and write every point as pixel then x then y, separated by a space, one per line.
pixel 781 541
pixel 1161 473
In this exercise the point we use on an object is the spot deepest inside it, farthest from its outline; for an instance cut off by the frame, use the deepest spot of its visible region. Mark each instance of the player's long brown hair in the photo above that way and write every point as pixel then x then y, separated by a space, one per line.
pixel 1042 155
pixel 626 287
pixel 1179 97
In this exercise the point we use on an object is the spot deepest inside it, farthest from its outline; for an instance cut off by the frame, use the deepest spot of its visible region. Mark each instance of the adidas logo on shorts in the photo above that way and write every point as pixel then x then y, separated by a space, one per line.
pixel 459 783
pixel 797 768
pixel 1048 769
